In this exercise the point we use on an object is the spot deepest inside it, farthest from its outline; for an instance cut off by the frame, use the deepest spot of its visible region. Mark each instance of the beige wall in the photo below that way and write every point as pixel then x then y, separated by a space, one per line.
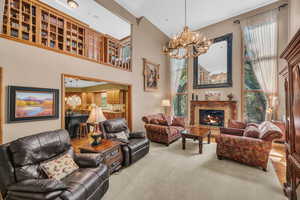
pixel 30 66
pixel 294 16
pixel 228 26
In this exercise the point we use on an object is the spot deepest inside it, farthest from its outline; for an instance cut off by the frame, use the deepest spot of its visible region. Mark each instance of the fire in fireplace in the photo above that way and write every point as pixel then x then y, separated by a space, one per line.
pixel 211 117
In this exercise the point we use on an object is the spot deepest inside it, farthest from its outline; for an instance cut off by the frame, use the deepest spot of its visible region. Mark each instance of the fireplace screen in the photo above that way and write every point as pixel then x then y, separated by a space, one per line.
pixel 211 117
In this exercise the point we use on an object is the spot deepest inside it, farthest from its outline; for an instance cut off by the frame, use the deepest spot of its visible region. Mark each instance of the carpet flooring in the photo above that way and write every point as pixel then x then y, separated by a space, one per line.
pixel 170 173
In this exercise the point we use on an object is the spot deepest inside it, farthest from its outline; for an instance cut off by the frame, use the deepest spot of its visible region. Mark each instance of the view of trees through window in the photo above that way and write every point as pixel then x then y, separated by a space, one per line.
pixel 179 86
pixel 255 103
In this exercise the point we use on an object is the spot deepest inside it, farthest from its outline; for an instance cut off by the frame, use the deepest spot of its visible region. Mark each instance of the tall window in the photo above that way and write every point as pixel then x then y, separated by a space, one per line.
pixel 179 86
pixel 260 67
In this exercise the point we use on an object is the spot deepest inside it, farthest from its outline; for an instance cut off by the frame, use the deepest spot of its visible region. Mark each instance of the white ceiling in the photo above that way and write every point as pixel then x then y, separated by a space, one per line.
pixel 168 15
pixel 98 17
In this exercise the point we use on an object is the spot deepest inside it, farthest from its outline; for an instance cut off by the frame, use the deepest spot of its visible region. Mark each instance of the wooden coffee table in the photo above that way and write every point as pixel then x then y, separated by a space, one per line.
pixel 195 133
pixel 111 151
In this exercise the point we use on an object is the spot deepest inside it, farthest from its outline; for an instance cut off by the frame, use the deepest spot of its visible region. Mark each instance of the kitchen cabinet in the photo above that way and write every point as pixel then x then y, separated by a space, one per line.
pixel 115 97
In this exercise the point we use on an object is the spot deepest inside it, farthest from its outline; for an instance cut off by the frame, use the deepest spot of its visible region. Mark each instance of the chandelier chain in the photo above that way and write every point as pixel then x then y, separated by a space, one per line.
pixel 185 17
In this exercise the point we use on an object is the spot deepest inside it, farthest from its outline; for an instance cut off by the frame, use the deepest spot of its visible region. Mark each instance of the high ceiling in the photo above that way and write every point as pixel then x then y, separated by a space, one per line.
pixel 98 17
pixel 168 15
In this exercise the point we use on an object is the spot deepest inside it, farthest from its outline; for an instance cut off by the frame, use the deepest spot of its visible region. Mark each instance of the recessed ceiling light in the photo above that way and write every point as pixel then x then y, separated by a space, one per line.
pixel 72 4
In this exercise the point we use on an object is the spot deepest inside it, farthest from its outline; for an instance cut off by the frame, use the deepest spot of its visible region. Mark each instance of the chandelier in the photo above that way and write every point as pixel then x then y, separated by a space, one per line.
pixel 187 44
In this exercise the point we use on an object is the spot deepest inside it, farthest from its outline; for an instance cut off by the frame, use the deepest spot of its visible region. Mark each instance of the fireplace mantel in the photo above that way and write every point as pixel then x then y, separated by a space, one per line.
pixel 231 106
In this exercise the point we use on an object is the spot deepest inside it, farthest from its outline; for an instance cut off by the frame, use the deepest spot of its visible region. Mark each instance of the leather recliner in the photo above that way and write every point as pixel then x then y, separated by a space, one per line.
pixel 137 145
pixel 21 177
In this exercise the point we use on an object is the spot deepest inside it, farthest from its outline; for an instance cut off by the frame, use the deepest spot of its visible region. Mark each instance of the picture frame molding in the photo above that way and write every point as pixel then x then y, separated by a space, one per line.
pixel 145 63
pixel 11 99
pixel 228 37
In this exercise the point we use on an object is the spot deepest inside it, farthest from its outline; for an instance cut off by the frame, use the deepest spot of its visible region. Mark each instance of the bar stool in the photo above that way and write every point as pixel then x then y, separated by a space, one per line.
pixel 83 130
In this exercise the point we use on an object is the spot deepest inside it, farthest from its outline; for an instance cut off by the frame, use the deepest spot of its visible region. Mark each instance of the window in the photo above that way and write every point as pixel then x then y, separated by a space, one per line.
pixel 179 87
pixel 260 70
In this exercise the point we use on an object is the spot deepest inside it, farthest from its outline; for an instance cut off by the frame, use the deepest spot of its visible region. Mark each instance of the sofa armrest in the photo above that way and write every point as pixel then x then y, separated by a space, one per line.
pixel 38 186
pixel 137 135
pixel 243 142
pixel 232 131
pixel 88 160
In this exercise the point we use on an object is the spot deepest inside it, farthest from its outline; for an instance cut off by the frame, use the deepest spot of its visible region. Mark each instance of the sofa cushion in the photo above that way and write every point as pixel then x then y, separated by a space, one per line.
pixel 236 124
pixel 148 118
pixel 178 121
pixel 251 131
pixel 269 131
pixel 84 182
pixel 60 167
pixel 155 121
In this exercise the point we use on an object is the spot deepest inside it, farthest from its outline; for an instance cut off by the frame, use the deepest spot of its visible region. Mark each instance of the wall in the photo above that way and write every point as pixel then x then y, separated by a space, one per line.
pixel 227 26
pixel 294 17
pixel 25 65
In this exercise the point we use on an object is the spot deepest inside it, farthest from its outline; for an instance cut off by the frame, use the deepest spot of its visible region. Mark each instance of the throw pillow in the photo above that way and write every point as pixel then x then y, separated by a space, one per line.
pixel 253 124
pixel 252 132
pixel 236 124
pixel 60 167
pixel 154 121
pixel 122 135
pixel 178 121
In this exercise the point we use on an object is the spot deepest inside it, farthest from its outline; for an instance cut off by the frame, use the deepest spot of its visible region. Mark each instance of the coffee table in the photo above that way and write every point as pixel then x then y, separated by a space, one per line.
pixel 111 151
pixel 196 133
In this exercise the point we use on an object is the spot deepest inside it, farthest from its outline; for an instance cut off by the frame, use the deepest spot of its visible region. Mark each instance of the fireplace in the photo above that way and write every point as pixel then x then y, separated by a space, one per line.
pixel 211 117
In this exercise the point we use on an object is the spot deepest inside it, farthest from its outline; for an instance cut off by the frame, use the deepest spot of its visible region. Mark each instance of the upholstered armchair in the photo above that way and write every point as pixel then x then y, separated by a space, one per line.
pixel 163 129
pixel 252 148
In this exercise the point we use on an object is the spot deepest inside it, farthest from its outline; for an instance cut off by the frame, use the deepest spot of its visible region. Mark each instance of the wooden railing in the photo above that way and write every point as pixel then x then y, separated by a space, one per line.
pixel 35 23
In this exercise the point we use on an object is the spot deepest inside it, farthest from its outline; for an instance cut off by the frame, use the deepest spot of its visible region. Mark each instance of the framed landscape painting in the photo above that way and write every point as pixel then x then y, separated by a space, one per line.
pixel 27 104
pixel 151 76
pixel 214 68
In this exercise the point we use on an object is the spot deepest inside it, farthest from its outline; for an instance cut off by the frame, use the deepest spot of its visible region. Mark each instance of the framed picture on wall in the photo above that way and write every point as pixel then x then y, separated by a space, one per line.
pixel 29 104
pixel 151 76
pixel 214 68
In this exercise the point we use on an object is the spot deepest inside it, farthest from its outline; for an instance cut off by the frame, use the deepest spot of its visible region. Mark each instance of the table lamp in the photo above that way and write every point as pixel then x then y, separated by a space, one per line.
pixel 166 103
pixel 96 116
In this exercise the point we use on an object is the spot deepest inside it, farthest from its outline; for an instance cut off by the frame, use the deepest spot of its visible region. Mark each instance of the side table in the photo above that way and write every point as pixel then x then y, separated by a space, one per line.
pixel 111 151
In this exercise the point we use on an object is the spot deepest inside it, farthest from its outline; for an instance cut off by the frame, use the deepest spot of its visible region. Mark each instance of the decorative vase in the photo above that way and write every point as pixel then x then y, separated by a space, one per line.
pixel 230 97
pixel 96 138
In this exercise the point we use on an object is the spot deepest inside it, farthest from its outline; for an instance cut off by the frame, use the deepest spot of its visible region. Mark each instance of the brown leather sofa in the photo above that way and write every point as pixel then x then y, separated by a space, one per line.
pixel 133 149
pixel 247 148
pixel 163 129
pixel 21 177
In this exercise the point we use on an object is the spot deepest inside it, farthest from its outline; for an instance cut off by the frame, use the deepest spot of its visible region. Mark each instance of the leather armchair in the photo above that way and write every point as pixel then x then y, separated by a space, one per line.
pixel 133 149
pixel 21 177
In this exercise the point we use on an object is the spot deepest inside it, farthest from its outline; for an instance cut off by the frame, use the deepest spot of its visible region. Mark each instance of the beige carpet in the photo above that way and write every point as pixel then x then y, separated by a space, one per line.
pixel 169 173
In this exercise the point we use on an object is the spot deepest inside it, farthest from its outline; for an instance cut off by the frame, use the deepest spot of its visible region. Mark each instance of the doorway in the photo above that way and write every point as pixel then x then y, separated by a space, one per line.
pixel 80 95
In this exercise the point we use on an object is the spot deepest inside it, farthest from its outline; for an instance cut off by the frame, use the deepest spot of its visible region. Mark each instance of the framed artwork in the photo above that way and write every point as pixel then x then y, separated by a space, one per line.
pixel 214 68
pixel 151 76
pixel 28 104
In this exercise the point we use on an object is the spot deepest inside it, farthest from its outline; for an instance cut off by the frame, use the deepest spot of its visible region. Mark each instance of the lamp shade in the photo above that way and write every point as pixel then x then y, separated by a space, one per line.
pixel 96 115
pixel 165 103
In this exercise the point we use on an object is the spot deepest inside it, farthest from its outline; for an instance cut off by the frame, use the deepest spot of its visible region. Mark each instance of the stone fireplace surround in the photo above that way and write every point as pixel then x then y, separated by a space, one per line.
pixel 229 107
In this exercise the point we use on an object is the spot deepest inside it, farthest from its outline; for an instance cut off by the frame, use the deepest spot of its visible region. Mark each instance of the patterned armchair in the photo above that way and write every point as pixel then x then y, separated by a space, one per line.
pixel 163 129
pixel 252 148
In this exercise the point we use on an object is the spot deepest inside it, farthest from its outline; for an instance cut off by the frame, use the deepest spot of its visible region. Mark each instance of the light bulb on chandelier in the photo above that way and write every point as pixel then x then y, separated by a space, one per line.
pixel 187 44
